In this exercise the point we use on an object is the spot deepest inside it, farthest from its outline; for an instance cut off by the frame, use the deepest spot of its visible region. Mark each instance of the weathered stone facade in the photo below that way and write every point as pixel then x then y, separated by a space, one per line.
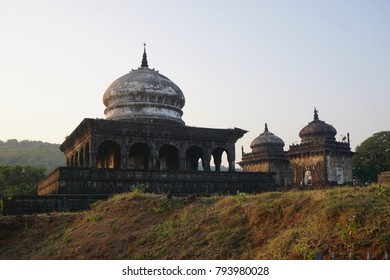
pixel 66 180
pixel 143 140
pixel 318 161
pixel 146 146
pixel 267 156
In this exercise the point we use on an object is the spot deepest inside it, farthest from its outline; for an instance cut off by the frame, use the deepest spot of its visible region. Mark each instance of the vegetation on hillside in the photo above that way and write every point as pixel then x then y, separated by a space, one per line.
pixel 20 180
pixel 274 225
pixel 32 153
pixel 372 157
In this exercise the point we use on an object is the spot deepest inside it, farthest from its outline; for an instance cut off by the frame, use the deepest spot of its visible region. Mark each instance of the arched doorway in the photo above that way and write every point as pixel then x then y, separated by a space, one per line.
pixel 139 156
pixel 168 158
pixel 217 156
pixel 194 157
pixel 109 155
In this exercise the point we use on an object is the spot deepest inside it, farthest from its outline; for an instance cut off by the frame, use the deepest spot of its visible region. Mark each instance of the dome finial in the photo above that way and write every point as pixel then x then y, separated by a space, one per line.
pixel 266 128
pixel 315 114
pixel 144 58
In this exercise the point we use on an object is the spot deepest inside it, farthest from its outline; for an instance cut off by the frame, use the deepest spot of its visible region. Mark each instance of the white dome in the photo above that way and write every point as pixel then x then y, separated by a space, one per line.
pixel 144 95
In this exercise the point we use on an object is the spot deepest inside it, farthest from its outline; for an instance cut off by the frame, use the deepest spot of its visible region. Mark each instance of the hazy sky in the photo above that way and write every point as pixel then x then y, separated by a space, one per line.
pixel 239 63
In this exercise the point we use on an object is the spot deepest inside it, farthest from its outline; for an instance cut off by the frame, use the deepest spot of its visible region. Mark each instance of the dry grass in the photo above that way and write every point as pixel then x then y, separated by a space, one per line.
pixel 283 225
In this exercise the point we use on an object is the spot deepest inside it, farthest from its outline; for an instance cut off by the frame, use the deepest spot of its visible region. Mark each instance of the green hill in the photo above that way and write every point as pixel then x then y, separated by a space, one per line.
pixel 32 153
pixel 274 225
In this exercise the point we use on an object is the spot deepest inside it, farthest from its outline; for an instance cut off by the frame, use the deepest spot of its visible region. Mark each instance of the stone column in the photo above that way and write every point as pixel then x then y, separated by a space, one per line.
pixel 182 163
pixel 206 160
pixel 217 162
pixel 123 158
pixel 154 156
pixel 93 159
pixel 232 159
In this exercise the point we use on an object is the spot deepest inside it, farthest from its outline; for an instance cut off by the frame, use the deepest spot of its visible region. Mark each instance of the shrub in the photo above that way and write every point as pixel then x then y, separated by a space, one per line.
pixel 241 197
pixel 94 217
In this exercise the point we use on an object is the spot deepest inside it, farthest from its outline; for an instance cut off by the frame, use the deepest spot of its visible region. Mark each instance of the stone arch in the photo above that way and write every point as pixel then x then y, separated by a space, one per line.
pixel 168 158
pixel 109 155
pixel 193 155
pixel 140 156
pixel 217 157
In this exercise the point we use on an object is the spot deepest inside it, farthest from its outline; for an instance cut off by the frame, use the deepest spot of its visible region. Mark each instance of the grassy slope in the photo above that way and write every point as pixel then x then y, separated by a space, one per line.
pixel 288 225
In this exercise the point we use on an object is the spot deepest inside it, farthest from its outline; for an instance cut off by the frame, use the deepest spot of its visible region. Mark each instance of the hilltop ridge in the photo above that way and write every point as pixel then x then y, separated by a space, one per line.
pixel 33 153
pixel 274 225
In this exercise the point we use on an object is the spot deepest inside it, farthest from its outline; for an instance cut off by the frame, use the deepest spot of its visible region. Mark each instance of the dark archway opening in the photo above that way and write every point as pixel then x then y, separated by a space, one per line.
pixel 139 156
pixel 217 156
pixel 168 158
pixel 109 155
pixel 194 156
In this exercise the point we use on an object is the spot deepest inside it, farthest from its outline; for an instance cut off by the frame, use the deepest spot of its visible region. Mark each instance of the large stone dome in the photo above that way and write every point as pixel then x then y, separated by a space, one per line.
pixel 265 140
pixel 144 95
pixel 317 129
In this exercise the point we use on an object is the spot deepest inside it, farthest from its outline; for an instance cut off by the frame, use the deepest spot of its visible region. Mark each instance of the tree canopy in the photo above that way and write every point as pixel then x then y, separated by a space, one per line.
pixel 372 157
pixel 20 180
pixel 31 153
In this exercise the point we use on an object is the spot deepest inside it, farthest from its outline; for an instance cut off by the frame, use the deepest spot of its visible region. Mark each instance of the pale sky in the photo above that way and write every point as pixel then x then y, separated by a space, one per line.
pixel 239 63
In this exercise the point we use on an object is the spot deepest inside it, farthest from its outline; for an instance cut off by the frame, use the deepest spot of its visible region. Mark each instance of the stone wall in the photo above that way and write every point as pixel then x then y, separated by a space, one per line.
pixel 307 170
pixel 74 189
pixel 339 169
pixel 260 166
pixel 67 180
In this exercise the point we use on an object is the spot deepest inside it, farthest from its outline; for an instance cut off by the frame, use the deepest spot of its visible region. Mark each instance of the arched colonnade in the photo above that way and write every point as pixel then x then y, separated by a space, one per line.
pixel 144 156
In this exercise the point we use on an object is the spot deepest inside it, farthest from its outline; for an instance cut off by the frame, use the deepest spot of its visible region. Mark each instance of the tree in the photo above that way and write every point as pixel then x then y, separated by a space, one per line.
pixel 20 180
pixel 372 157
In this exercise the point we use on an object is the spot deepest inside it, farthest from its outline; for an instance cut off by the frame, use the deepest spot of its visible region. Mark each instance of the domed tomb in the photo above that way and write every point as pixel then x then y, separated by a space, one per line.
pixel 267 156
pixel 146 96
pixel 266 140
pixel 317 129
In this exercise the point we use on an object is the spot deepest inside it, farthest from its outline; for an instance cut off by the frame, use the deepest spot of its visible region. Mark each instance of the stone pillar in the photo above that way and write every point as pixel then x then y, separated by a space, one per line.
pixel 232 167
pixel 206 160
pixel 76 159
pixel 217 162
pixel 232 159
pixel 87 156
pixel 154 156
pixel 93 159
pixel 123 159
pixel 182 163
